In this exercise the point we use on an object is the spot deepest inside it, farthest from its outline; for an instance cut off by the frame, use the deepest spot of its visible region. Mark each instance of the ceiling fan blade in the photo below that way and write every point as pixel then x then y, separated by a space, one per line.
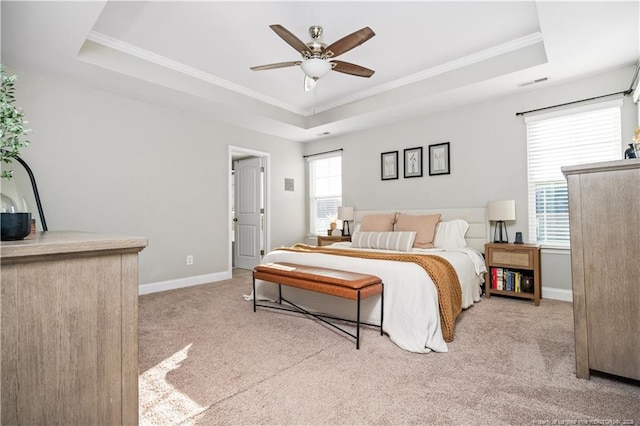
pixel 309 84
pixel 291 40
pixel 352 69
pixel 348 42
pixel 274 66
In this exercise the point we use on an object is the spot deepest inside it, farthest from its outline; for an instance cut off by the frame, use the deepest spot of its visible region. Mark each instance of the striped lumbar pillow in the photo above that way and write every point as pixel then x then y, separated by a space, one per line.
pixel 399 241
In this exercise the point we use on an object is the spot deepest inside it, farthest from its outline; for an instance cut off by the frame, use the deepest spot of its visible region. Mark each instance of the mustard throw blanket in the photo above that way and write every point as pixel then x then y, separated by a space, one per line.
pixel 440 270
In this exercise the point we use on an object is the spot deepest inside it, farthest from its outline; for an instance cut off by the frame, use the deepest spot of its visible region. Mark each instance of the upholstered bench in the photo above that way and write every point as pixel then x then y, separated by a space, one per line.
pixel 348 285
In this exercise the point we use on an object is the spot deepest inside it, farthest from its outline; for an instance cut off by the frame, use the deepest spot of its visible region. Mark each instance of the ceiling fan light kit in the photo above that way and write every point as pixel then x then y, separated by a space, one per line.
pixel 316 68
pixel 316 55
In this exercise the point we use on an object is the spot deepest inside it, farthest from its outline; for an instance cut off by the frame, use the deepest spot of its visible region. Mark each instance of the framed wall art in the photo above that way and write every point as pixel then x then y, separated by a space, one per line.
pixel 413 162
pixel 389 165
pixel 439 160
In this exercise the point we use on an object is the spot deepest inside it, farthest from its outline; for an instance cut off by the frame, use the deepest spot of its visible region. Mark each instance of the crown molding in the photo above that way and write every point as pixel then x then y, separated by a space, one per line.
pixel 209 78
pixel 137 52
pixel 493 52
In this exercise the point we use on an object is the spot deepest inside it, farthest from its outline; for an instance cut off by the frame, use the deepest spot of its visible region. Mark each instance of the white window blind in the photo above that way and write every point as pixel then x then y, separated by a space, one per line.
pixel 325 191
pixel 581 135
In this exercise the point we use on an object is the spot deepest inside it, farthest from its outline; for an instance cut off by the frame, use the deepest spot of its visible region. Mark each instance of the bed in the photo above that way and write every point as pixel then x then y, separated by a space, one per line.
pixel 412 309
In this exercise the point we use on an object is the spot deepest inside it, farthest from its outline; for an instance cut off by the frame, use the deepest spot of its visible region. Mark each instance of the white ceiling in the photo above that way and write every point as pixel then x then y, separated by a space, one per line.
pixel 428 56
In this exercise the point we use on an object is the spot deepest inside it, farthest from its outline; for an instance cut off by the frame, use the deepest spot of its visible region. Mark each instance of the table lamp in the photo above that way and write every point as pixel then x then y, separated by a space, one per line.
pixel 501 211
pixel 345 214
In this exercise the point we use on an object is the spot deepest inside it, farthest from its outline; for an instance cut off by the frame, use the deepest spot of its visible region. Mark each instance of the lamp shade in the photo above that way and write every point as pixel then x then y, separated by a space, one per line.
pixel 316 68
pixel 501 210
pixel 345 213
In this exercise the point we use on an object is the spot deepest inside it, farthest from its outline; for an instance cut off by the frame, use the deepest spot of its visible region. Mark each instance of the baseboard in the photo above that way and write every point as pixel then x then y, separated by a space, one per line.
pixel 547 292
pixel 557 294
pixel 183 282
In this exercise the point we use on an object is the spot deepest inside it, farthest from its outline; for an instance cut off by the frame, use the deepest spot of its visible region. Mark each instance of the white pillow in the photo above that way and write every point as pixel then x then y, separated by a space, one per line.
pixel 399 241
pixel 450 234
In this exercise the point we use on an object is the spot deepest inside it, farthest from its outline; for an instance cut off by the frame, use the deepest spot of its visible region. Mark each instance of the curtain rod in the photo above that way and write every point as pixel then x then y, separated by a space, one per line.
pixel 625 92
pixel 321 153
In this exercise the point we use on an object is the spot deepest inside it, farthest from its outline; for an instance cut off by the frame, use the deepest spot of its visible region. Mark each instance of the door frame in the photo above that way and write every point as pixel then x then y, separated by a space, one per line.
pixel 266 162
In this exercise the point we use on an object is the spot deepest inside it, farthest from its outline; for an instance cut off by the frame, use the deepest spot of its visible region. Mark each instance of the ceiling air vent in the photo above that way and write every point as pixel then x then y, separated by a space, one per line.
pixel 536 81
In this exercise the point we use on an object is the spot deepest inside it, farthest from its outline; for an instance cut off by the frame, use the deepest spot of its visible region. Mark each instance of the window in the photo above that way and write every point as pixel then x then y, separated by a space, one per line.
pixel 581 135
pixel 325 191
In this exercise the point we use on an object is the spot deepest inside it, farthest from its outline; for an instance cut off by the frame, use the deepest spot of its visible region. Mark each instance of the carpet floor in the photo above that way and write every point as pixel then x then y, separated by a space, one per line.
pixel 207 359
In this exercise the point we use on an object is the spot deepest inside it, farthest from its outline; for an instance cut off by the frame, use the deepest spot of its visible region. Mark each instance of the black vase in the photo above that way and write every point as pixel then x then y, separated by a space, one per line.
pixel 630 152
pixel 15 226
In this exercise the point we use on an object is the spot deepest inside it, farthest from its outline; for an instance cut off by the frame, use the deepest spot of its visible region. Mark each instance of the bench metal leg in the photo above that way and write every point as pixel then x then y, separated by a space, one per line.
pixel 381 309
pixel 358 324
pixel 254 293
pixel 321 317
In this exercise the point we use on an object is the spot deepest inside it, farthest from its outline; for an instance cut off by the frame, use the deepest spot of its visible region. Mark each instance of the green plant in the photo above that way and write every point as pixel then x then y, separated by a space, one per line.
pixel 12 123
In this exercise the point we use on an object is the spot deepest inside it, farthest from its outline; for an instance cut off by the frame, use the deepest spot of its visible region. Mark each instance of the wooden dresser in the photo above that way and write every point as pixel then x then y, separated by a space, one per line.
pixel 604 215
pixel 70 329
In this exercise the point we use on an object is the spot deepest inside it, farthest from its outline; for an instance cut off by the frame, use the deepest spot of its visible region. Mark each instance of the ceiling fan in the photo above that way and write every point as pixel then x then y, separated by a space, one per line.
pixel 317 57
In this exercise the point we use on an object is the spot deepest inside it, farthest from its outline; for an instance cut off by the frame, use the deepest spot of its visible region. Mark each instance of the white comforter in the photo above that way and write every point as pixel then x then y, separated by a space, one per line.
pixel 411 313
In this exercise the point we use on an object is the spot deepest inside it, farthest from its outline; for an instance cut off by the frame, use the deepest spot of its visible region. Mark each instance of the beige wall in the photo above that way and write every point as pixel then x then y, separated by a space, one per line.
pixel 110 164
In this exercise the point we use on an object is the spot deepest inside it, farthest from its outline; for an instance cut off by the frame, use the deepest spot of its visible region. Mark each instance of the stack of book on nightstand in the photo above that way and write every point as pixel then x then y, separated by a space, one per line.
pixel 510 280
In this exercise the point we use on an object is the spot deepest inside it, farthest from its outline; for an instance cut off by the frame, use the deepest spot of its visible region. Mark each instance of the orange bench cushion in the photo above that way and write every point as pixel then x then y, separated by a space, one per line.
pixel 323 280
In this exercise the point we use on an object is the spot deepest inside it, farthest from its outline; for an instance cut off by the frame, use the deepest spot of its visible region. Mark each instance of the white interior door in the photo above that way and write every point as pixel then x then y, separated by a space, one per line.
pixel 248 212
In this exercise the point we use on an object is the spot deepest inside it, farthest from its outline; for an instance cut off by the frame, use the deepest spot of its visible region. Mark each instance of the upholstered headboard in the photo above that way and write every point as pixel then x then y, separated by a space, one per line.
pixel 477 235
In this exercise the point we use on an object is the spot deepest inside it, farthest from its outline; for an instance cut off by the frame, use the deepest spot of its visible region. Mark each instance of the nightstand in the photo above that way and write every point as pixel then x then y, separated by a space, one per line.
pixel 325 240
pixel 513 270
